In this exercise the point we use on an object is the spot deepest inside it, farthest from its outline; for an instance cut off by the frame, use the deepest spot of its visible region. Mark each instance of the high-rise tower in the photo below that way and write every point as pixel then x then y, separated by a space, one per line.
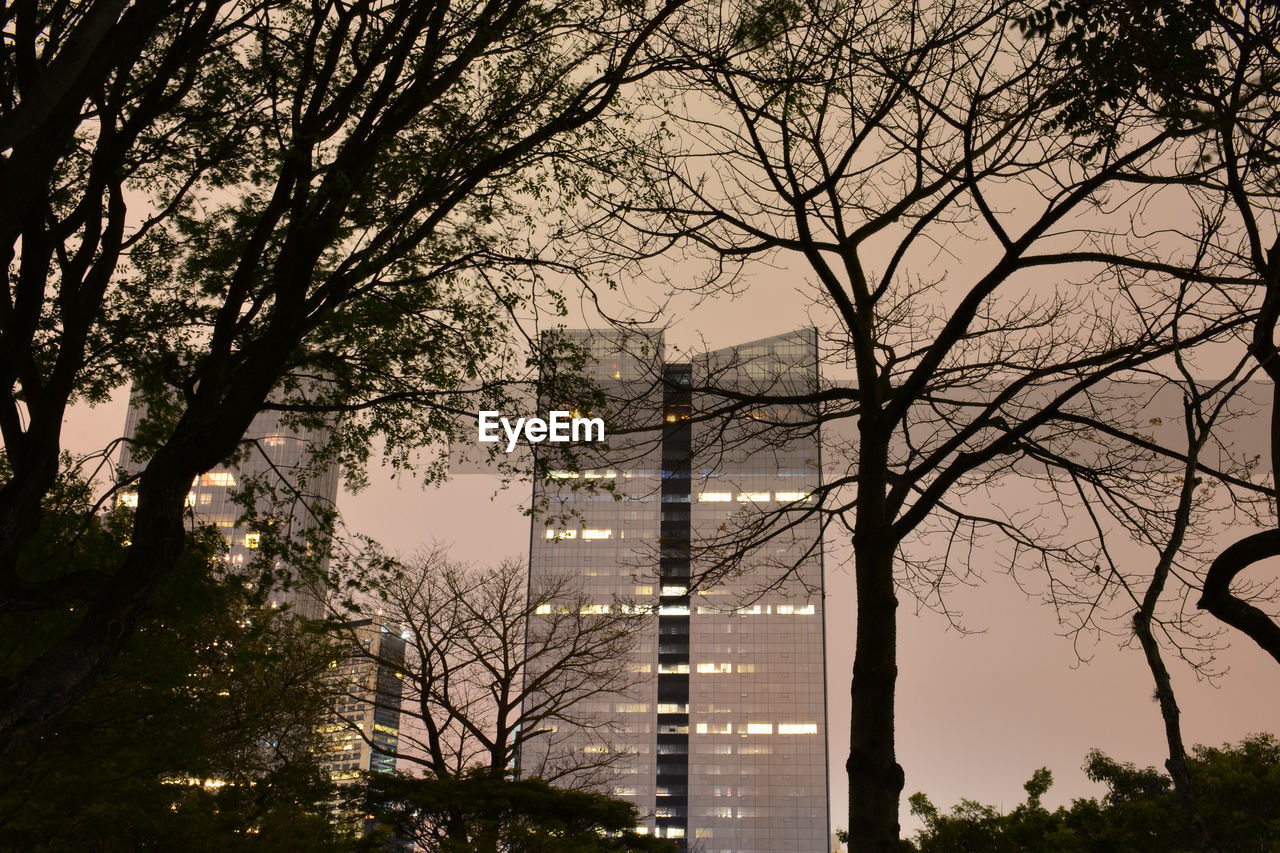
pixel 701 509
pixel 280 459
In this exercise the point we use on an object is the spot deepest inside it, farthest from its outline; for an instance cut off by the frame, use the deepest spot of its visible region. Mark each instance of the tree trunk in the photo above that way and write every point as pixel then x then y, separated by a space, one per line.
pixel 875 777
pixel 1176 764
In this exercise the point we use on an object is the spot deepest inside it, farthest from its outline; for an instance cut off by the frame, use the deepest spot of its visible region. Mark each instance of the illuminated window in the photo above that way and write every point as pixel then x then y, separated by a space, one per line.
pixel 807 610
pixel 594 609
pixel 753 497
pixel 715 497
pixel 644 590
pixel 797 728
pixel 563 534
pixel 252 540
pixel 792 496
pixel 673 669
pixel 715 729
pixel 675 590
pixel 218 478
pixel 672 707
pixel 562 475
pixel 129 499
pixel 597 534
pixel 595 749
pixel 715 667
pixel 759 728
pixel 746 667
pixel 673 610
pixel 543 609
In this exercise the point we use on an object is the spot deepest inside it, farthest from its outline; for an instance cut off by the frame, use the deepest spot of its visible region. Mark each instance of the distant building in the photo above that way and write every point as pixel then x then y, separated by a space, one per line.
pixel 363 730
pixel 280 458
pixel 724 747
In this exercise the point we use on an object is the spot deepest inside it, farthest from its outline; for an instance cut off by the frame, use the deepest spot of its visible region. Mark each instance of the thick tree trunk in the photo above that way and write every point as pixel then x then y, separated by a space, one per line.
pixel 875 777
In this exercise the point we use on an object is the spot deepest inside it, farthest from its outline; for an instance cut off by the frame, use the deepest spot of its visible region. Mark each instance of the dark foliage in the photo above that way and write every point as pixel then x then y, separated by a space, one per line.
pixel 200 738
pixel 1238 791
pixel 481 811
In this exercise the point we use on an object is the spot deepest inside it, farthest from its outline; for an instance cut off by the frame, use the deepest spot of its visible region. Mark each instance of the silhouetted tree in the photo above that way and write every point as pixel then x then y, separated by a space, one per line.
pixel 988 275
pixel 222 199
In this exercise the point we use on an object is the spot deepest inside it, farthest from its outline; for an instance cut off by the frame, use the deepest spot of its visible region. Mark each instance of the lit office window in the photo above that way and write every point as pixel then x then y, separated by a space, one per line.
pixel 797 728
pixel 759 728
pixel 218 478
pixel 715 497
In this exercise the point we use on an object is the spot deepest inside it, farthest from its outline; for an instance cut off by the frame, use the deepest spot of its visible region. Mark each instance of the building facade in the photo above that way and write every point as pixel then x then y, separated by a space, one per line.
pixel 701 509
pixel 363 730
pixel 292 493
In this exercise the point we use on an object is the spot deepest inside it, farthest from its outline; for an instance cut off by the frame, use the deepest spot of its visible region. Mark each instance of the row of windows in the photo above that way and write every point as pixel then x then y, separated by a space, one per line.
pixel 754 497
pixel 757 728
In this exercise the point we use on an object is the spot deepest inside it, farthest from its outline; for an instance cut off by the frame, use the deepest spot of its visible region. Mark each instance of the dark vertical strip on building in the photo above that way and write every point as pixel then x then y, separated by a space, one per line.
pixel 672 802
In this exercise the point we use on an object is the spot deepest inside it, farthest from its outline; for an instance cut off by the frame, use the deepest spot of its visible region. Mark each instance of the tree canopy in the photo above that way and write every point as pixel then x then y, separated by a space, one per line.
pixel 204 734
pixel 1238 787
pixel 340 203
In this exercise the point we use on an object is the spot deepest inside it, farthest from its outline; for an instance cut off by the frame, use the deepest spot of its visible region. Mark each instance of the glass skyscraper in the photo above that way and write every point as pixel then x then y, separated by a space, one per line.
pixel 278 458
pixel 699 510
pixel 363 730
